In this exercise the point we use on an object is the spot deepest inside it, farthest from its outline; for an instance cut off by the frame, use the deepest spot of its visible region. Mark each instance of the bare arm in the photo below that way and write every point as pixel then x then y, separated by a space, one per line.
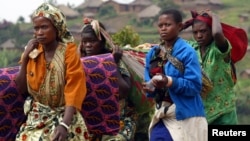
pixel 124 82
pixel 217 32
pixel 68 114
pixel 124 85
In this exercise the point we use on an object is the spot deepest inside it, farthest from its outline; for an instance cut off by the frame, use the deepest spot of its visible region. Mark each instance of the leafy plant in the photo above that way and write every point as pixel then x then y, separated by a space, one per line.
pixel 125 36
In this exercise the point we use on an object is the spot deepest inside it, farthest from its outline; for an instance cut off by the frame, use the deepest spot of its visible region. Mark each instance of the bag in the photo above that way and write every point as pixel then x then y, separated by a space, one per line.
pixel 238 39
pixel 239 42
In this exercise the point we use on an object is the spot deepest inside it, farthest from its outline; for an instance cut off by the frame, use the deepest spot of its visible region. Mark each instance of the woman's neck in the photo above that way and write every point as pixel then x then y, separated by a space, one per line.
pixel 170 43
pixel 51 46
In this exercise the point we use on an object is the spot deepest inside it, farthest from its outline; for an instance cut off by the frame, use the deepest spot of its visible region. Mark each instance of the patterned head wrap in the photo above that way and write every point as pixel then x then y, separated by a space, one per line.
pixel 98 30
pixel 57 18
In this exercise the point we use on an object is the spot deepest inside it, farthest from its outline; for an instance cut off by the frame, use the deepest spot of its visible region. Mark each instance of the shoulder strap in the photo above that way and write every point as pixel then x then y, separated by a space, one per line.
pixel 178 64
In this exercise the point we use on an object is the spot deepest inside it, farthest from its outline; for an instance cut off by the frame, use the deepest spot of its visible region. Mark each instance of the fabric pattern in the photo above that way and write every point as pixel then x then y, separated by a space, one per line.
pixel 52 87
pixel 102 118
pixel 101 107
pixel 222 98
pixel 43 120
pixel 11 104
pixel 47 107
pixel 135 61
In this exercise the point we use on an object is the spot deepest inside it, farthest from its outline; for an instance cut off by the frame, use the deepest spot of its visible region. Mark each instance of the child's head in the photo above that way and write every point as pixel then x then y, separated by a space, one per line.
pixel 92 40
pixel 169 24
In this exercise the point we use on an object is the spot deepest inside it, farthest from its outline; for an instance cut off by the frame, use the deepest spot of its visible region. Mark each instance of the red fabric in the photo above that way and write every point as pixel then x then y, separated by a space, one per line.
pixel 236 36
pixel 207 20
pixel 238 39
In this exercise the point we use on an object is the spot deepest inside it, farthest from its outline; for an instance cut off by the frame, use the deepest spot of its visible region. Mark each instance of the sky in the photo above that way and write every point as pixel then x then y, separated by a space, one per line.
pixel 11 10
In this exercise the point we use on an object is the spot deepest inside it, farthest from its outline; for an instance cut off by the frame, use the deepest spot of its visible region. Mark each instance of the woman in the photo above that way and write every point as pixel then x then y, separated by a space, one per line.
pixel 214 51
pixel 93 42
pixel 179 114
pixel 51 72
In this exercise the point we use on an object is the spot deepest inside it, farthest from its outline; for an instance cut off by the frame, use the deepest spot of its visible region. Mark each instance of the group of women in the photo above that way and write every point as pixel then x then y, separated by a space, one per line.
pixel 51 72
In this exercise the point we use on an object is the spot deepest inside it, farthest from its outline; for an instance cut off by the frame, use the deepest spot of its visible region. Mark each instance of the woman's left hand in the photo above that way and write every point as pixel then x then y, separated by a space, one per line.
pixel 117 54
pixel 60 134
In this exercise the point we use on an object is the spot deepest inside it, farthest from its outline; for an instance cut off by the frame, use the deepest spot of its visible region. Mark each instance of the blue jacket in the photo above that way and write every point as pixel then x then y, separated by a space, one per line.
pixel 186 87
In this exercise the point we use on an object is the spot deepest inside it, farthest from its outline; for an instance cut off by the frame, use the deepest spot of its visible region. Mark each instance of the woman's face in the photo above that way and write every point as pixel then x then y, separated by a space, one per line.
pixel 202 33
pixel 45 32
pixel 168 28
pixel 90 44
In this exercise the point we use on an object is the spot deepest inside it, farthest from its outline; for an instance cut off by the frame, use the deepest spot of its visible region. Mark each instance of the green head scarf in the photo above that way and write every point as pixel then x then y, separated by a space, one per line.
pixel 57 18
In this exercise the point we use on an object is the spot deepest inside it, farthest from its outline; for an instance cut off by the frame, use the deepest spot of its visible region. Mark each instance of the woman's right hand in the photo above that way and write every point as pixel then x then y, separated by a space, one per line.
pixel 32 44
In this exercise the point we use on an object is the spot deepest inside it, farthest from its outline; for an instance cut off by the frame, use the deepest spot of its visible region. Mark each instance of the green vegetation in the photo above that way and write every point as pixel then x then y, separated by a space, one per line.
pixel 125 36
pixel 9 58
pixel 107 12
pixel 242 90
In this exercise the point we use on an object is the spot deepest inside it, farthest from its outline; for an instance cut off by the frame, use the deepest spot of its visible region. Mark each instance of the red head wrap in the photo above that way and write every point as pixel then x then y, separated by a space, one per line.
pixel 236 36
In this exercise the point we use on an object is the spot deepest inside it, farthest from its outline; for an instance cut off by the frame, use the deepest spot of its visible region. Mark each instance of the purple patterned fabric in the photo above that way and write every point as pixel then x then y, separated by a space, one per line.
pixel 11 104
pixel 100 109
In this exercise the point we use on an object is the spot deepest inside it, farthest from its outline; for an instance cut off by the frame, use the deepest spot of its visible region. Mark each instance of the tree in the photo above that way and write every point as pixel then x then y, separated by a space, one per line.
pixel 21 19
pixel 107 12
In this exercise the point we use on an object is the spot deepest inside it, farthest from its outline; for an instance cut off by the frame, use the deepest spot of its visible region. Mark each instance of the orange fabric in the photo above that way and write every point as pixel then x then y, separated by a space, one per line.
pixel 36 68
pixel 75 87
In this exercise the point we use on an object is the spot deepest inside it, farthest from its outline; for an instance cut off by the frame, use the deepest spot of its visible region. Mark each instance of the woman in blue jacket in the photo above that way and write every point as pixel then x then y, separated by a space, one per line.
pixel 179 114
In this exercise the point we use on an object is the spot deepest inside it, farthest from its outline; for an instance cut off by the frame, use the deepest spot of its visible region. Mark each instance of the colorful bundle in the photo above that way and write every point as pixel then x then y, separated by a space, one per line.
pixel 134 59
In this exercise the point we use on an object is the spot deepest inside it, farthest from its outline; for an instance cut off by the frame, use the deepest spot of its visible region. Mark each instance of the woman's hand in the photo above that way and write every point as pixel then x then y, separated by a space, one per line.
pixel 60 134
pixel 207 12
pixel 146 89
pixel 160 82
pixel 117 54
pixel 32 44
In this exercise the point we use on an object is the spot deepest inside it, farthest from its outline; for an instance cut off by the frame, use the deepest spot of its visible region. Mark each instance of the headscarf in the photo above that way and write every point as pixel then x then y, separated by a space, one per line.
pixel 99 31
pixel 57 18
pixel 236 36
pixel 201 17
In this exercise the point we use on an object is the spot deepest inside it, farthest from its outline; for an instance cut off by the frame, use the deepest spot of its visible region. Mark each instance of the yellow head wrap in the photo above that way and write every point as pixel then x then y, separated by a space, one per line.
pixel 57 18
